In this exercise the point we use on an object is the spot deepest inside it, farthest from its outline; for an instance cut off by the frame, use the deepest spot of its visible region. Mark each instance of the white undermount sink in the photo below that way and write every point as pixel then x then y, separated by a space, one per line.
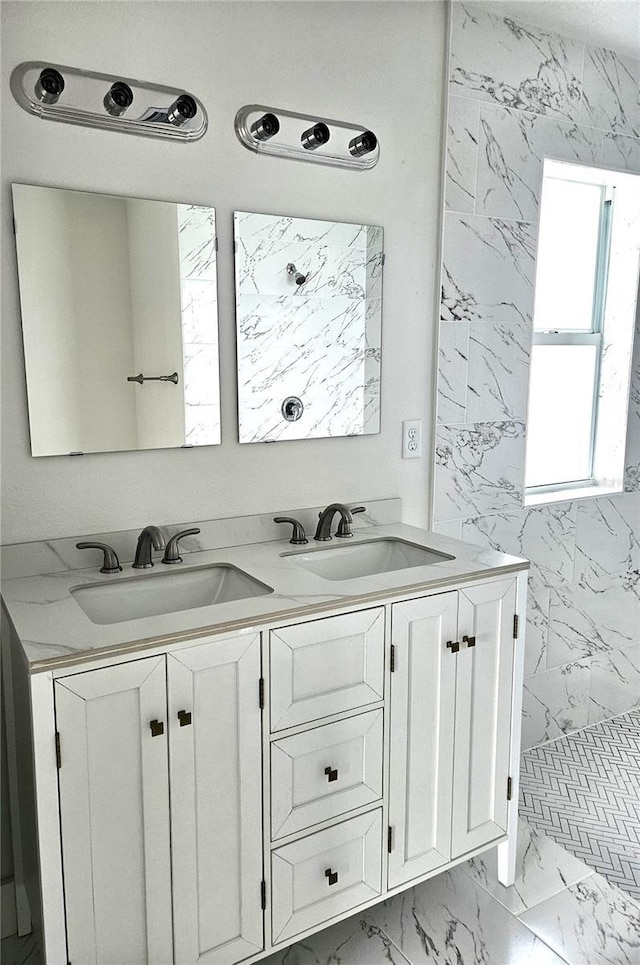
pixel 351 560
pixel 166 592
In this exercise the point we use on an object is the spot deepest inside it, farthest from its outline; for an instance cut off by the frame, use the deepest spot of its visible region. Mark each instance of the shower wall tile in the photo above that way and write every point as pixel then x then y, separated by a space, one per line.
pixel 610 91
pixel 621 151
pixel 583 623
pixel 607 540
pixel 511 150
pixel 488 269
pixel 498 371
pixel 452 372
pixel 615 683
pixel 478 469
pixel 546 535
pixel 555 702
pixel 462 154
pixel 495 59
pixel 199 311
pixel 329 365
pixel 517 95
pixel 202 424
pixel 632 454
pixel 197 241
pixel 266 231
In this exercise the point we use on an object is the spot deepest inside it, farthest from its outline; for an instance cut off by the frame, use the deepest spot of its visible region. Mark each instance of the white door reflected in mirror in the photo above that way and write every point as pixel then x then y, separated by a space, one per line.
pixel 119 320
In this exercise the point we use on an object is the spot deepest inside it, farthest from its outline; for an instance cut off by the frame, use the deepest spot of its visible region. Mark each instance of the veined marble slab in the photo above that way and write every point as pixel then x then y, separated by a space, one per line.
pixel 54 631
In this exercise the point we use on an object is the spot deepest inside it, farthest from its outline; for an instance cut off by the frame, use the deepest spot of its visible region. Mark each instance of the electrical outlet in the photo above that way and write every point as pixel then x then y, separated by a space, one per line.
pixel 412 439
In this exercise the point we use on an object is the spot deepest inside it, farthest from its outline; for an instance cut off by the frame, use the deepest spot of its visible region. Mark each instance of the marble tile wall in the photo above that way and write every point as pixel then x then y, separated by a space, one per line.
pixel 199 306
pixel 320 342
pixel 518 94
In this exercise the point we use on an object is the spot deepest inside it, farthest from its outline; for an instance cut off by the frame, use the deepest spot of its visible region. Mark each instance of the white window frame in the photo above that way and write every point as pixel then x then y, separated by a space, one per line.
pixel 593 336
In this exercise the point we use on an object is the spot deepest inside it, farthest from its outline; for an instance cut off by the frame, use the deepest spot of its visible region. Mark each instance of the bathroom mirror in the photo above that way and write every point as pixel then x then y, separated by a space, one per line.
pixel 119 321
pixel 309 313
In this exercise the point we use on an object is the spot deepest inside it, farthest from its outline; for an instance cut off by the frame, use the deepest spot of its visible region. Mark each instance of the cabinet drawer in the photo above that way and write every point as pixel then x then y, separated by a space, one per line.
pixel 326 666
pixel 325 772
pixel 325 874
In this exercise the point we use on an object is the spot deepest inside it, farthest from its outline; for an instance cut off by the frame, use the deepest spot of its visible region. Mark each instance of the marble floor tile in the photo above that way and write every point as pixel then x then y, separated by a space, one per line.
pixel 452 920
pixel 590 923
pixel 543 869
pixel 356 941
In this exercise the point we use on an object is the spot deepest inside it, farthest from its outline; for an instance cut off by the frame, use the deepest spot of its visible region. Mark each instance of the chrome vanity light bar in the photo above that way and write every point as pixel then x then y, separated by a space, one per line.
pixel 269 130
pixel 73 96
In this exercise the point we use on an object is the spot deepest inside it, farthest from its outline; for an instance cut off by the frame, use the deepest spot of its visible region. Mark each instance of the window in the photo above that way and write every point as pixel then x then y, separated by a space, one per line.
pixel 583 250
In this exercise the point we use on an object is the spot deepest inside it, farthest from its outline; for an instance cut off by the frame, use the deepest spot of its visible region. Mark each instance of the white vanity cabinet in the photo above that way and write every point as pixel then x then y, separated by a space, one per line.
pixel 161 807
pixel 451 696
pixel 214 799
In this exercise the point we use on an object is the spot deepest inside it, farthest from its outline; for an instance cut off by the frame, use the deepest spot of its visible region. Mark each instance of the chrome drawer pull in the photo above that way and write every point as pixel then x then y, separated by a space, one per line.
pixel 331 875
pixel 332 774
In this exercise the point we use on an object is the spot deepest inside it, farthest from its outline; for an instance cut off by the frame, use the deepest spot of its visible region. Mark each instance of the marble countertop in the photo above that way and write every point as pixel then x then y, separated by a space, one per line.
pixel 55 632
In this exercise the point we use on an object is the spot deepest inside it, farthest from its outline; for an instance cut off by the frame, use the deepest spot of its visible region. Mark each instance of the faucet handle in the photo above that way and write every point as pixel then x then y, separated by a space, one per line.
pixel 344 529
pixel 110 562
pixel 298 536
pixel 171 554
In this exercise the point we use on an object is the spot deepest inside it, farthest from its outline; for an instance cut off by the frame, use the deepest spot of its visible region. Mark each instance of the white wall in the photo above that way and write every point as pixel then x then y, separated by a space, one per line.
pixel 380 64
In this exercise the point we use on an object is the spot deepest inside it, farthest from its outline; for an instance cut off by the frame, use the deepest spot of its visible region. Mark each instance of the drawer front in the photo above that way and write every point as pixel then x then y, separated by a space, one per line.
pixel 325 874
pixel 325 772
pixel 326 666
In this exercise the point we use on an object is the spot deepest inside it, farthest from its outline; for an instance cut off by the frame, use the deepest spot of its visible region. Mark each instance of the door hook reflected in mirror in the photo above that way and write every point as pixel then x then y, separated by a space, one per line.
pixel 153 378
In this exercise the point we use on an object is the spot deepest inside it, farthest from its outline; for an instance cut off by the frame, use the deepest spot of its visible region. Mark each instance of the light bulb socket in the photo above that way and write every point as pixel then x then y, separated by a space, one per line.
pixel 315 136
pixel 49 85
pixel 182 110
pixel 118 98
pixel 364 143
pixel 265 127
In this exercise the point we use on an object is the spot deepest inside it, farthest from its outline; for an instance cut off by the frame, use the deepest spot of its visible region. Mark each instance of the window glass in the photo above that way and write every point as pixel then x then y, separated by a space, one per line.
pixel 561 404
pixel 567 255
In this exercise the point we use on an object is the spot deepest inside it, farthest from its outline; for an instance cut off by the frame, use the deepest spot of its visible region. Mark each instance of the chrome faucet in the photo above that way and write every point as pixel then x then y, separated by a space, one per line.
pixel 323 530
pixel 150 536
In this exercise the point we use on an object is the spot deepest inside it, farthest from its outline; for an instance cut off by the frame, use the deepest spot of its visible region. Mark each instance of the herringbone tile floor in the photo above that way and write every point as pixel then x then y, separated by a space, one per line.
pixel 584 792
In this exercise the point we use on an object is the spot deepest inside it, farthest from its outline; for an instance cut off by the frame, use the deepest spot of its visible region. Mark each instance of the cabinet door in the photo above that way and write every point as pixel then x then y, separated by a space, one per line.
pixel 483 714
pixel 114 808
pixel 422 715
pixel 216 800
